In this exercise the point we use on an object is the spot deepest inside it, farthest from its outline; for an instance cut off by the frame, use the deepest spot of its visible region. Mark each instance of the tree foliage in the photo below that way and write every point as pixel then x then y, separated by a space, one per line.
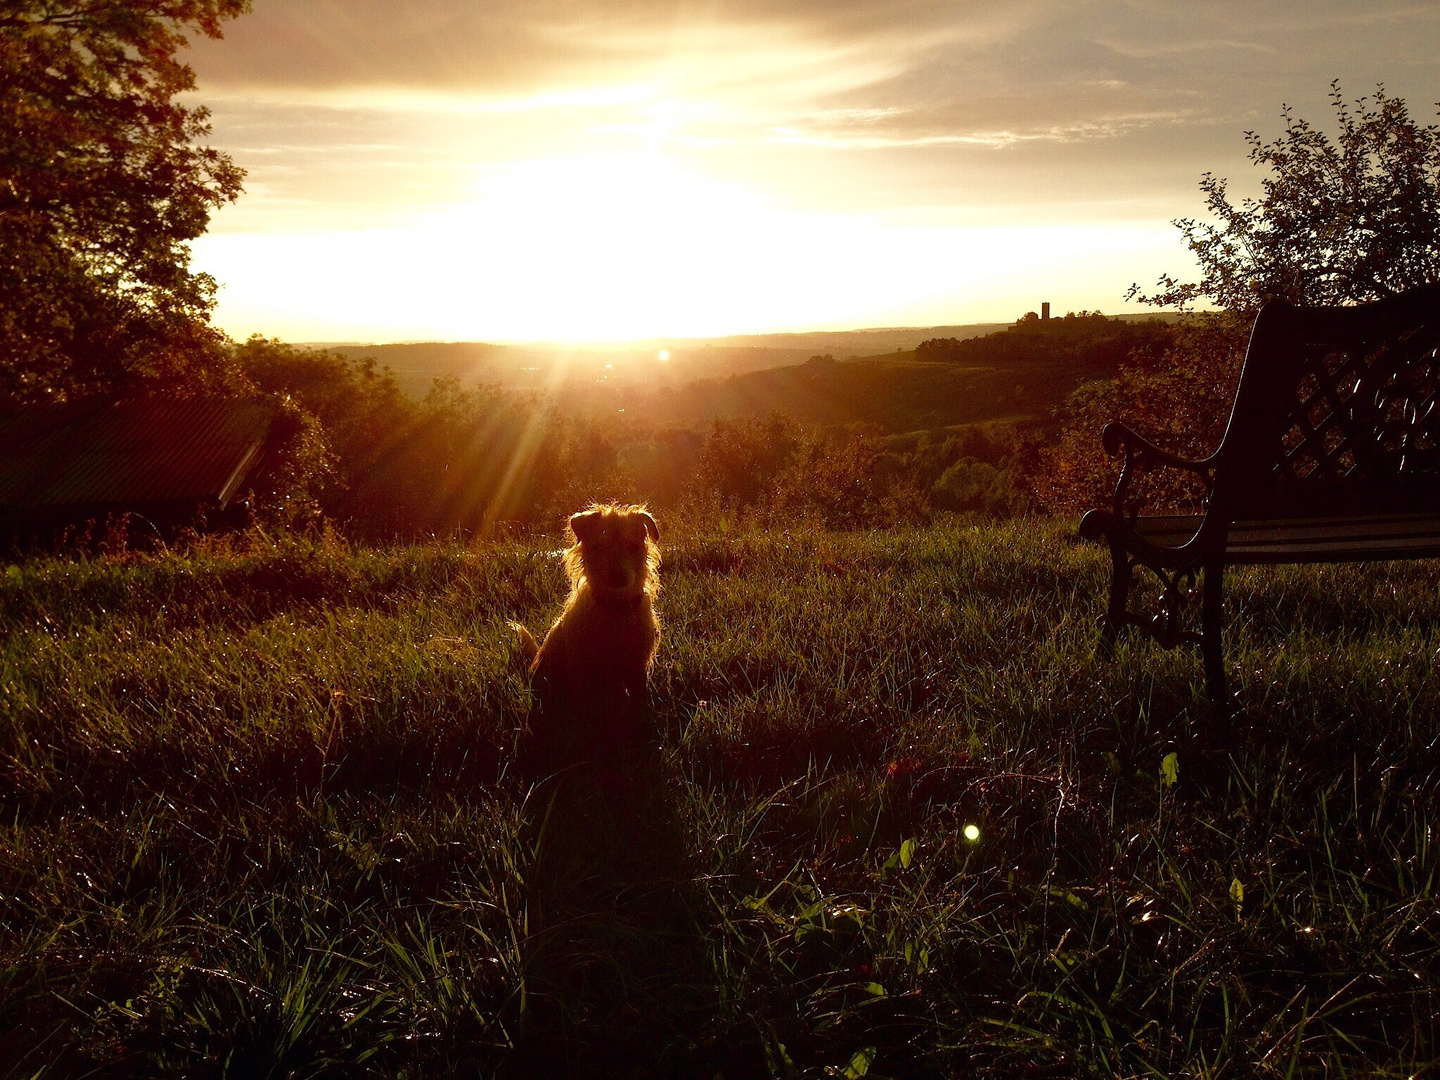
pixel 1338 222
pixel 1084 341
pixel 102 188
pixel 379 464
pixel 1181 401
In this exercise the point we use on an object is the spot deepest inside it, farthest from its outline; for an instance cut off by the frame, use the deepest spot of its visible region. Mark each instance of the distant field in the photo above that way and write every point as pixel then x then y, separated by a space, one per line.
pixel 260 819
pixel 896 392
pixel 899 394
pixel 873 379
pixel 540 365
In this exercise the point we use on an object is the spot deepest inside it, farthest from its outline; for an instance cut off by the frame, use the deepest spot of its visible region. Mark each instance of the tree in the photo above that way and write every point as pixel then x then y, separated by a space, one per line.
pixel 742 460
pixel 1180 400
pixel 1338 222
pixel 102 188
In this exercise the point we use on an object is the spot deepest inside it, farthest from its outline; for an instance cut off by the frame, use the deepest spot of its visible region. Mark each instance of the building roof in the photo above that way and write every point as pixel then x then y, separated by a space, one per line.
pixel 145 450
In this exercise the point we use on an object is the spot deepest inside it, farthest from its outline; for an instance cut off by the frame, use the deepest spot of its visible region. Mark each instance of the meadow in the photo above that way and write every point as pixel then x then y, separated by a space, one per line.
pixel 260 819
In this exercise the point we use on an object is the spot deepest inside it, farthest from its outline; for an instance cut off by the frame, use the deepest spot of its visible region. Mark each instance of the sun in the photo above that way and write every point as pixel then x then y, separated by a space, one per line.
pixel 639 246
pixel 609 247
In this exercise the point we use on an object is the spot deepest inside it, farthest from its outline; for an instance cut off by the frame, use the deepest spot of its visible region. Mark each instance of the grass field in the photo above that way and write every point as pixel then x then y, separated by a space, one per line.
pixel 260 821
pixel 897 393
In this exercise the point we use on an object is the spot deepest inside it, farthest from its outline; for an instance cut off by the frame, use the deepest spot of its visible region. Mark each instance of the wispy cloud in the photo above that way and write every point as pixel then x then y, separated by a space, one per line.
pixel 1110 128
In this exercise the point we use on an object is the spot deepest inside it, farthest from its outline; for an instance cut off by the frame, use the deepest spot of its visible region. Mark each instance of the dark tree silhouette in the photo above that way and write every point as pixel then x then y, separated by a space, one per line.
pixel 1339 222
pixel 102 187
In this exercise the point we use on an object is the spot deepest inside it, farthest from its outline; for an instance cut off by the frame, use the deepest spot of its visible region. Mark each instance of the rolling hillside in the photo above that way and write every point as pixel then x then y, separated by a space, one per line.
pixel 963 375
pixel 553 367
pixel 899 394
pixel 1022 373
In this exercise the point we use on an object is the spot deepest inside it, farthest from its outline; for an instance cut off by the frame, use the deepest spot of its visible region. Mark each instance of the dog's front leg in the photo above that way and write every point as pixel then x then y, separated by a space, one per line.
pixel 633 714
pixel 637 685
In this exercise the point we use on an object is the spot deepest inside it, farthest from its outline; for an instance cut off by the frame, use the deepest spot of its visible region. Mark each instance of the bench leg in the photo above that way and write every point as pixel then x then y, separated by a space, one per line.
pixel 1214 575
pixel 1119 597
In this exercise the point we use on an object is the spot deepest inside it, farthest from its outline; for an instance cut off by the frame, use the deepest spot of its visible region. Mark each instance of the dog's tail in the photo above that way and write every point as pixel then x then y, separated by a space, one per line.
pixel 528 645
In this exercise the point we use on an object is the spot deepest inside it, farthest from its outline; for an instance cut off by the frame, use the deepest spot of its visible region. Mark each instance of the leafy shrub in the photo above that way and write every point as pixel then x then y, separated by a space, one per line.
pixel 1181 402
pixel 381 464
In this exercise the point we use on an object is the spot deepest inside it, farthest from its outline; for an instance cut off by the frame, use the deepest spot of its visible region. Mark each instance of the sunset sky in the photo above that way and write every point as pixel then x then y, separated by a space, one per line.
pixel 619 169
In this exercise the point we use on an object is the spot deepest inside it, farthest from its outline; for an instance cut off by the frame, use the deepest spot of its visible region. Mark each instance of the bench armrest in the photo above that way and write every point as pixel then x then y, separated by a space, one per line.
pixel 1118 436
pixel 1141 455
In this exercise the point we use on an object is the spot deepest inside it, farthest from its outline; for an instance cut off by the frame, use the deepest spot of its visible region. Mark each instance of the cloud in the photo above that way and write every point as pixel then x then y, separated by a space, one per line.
pixel 907 71
pixel 501 48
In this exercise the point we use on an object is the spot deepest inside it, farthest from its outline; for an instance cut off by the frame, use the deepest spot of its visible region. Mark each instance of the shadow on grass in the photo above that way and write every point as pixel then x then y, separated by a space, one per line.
pixel 618 982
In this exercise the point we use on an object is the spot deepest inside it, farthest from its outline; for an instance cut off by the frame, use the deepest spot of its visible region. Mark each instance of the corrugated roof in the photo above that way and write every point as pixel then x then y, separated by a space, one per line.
pixel 139 451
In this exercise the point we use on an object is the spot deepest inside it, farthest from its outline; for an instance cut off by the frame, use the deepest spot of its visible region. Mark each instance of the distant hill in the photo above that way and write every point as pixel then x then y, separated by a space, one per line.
pixel 1023 372
pixel 540 365
pixel 899 394
pixel 417 365
pixel 902 379
pixel 1075 341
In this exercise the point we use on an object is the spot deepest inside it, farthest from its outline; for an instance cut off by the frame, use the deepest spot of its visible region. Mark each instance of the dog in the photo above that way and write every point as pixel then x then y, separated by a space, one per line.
pixel 590 676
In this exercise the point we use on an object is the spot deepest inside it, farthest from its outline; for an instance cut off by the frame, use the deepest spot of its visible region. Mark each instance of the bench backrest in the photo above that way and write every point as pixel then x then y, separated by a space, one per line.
pixel 1337 412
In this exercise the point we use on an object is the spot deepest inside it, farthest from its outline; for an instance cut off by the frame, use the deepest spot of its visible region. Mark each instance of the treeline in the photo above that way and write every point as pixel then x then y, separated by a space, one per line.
pixel 1085 340
pixel 352 451
pixel 357 452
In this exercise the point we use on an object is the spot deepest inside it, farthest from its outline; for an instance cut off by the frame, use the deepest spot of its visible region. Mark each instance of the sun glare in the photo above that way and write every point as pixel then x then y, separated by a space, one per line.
pixel 637 246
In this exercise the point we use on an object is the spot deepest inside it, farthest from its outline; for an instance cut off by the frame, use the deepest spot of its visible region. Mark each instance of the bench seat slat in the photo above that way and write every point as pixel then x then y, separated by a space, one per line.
pixel 1400 536
pixel 1322 553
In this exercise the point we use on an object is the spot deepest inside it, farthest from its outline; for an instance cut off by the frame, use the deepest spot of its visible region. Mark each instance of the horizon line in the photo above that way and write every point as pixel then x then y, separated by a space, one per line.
pixel 660 340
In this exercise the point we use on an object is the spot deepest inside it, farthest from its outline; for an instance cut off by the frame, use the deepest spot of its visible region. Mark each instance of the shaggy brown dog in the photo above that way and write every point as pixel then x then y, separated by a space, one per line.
pixel 590 674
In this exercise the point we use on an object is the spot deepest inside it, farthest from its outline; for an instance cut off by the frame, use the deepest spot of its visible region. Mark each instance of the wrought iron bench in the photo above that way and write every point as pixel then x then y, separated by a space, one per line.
pixel 1331 454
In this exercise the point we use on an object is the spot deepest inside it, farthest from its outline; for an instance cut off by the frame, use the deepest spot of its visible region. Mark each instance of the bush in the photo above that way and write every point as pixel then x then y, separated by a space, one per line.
pixel 1181 402
pixel 382 465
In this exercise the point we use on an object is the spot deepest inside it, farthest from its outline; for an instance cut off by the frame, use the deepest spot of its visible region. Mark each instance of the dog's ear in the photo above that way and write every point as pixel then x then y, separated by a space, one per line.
pixel 650 527
pixel 583 524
